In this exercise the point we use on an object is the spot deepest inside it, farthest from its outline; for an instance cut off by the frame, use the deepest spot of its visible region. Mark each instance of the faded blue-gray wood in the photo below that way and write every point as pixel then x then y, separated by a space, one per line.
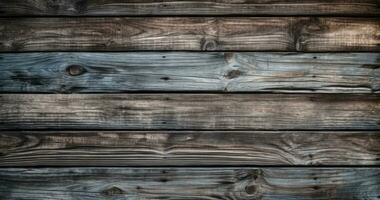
pixel 190 183
pixel 190 111
pixel 189 7
pixel 184 148
pixel 303 34
pixel 186 71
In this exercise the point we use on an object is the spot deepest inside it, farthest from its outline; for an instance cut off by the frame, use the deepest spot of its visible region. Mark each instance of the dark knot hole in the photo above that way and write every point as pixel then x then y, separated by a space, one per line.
pixel 75 70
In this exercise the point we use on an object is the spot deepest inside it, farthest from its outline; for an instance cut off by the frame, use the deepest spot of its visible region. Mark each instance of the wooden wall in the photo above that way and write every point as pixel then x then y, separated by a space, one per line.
pixel 196 99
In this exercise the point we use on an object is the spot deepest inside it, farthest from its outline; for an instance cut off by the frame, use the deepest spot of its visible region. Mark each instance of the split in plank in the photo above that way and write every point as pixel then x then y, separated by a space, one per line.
pixel 190 111
pixel 190 183
pixel 186 71
pixel 181 148
pixel 189 7
pixel 190 33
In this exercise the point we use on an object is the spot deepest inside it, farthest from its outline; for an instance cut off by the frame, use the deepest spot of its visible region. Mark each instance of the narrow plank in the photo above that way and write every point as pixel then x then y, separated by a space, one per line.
pixel 181 148
pixel 190 33
pixel 189 7
pixel 190 183
pixel 190 111
pixel 186 71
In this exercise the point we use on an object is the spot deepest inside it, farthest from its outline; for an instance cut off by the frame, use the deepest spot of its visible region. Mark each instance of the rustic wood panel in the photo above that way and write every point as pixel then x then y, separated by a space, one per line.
pixel 189 7
pixel 190 33
pixel 181 148
pixel 190 183
pixel 189 111
pixel 185 71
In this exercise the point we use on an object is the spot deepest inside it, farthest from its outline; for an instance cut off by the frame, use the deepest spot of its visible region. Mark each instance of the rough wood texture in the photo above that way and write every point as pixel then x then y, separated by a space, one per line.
pixel 185 71
pixel 190 33
pixel 189 7
pixel 189 111
pixel 181 148
pixel 190 183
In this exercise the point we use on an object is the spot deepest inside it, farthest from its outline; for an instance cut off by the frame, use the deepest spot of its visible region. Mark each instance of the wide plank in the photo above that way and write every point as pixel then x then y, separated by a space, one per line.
pixel 190 111
pixel 187 71
pixel 190 183
pixel 188 7
pixel 190 33
pixel 195 148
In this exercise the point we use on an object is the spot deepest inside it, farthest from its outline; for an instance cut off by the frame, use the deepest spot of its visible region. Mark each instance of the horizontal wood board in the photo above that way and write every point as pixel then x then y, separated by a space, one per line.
pixel 304 34
pixel 190 111
pixel 188 148
pixel 190 183
pixel 189 7
pixel 186 71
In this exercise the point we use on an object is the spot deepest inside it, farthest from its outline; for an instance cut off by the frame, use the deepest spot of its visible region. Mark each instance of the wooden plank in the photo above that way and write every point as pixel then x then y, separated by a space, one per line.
pixel 190 33
pixel 186 71
pixel 190 183
pixel 181 148
pixel 189 7
pixel 190 111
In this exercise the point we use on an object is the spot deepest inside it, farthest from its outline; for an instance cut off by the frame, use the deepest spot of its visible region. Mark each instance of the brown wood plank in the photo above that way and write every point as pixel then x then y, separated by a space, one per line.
pixel 189 7
pixel 190 111
pixel 181 148
pixel 190 33
pixel 190 183
pixel 187 71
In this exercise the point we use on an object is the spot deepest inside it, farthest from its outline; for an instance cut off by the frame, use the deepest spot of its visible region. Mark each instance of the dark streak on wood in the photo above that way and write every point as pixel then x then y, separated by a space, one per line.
pixel 190 33
pixel 190 111
pixel 189 7
pixel 181 148
pixel 190 183
pixel 186 71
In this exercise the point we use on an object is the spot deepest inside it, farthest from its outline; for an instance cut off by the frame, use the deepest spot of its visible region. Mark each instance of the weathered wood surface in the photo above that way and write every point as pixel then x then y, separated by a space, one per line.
pixel 189 7
pixel 189 111
pixel 190 183
pixel 194 148
pixel 190 33
pixel 185 71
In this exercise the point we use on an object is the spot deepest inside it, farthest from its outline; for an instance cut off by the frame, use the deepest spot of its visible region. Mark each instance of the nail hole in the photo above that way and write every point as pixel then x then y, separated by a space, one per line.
pixel 163 180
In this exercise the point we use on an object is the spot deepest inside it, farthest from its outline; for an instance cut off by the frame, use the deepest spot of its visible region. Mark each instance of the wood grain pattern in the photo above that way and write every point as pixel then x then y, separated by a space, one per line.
pixel 190 183
pixel 185 71
pixel 189 111
pixel 189 7
pixel 190 33
pixel 194 148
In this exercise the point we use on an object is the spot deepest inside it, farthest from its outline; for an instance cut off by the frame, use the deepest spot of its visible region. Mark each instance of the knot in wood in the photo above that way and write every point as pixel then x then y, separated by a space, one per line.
pixel 229 56
pixel 250 189
pixel 232 74
pixel 75 70
pixel 209 45
pixel 113 191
